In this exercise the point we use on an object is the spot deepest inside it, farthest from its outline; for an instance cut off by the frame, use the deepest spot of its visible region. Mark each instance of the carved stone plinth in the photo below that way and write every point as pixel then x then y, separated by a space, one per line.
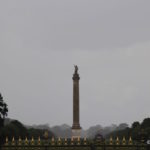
pixel 76 133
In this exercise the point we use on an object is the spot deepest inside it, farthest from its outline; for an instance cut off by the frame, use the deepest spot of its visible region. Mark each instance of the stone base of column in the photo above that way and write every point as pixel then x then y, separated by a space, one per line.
pixel 76 126
pixel 76 133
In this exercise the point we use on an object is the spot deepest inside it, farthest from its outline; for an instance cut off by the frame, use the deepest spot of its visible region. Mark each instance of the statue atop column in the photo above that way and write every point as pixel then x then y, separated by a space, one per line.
pixel 76 75
pixel 76 69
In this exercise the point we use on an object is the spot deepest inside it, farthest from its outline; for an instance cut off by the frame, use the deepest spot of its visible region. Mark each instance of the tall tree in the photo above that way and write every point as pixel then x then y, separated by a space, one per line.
pixel 135 125
pixel 145 123
pixel 3 111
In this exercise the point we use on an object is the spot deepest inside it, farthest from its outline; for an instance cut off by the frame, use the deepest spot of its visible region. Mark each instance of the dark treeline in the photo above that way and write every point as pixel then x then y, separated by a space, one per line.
pixel 138 131
pixel 16 129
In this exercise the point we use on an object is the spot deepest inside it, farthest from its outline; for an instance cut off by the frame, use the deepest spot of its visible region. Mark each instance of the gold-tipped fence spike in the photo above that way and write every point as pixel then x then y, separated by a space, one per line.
pixel 117 141
pixel 26 141
pixel 13 141
pixel 59 141
pixel 130 141
pixel 39 140
pixel 85 141
pixel 72 140
pixel 110 141
pixel 65 141
pixel 19 141
pixel 78 141
pixel 32 141
pixel 124 140
pixel 53 141
pixel 6 142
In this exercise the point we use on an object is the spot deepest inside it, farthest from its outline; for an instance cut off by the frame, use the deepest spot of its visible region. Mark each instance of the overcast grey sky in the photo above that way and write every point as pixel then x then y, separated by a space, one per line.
pixel 41 40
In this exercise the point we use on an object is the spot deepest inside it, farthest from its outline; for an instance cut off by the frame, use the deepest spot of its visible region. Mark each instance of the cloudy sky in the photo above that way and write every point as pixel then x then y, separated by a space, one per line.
pixel 41 40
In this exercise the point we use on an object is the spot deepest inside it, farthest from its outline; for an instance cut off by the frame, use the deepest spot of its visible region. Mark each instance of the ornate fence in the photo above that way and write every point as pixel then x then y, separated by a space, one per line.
pixel 73 144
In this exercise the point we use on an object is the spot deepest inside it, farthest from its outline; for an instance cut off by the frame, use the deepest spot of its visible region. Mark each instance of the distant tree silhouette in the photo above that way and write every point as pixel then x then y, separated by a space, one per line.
pixel 135 125
pixel 145 123
pixel 16 129
pixel 122 126
pixel 3 111
pixel 3 114
pixel 138 131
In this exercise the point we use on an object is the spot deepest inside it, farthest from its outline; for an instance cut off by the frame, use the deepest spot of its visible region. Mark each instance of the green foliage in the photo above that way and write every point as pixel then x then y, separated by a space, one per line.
pixel 3 111
pixel 146 123
pixel 3 114
pixel 16 129
pixel 137 131
pixel 135 125
pixel 122 126
pixel 120 133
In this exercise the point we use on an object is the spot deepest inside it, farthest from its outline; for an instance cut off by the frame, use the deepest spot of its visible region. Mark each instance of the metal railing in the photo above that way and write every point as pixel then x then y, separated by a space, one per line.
pixel 73 144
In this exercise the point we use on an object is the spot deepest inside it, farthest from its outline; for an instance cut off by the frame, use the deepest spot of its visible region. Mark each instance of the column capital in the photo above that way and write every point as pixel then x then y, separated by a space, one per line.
pixel 76 76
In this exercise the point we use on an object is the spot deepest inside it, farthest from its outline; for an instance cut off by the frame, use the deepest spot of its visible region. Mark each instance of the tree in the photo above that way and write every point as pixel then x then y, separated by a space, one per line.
pixel 135 130
pixel 3 114
pixel 135 124
pixel 14 129
pixel 3 111
pixel 145 123
pixel 122 126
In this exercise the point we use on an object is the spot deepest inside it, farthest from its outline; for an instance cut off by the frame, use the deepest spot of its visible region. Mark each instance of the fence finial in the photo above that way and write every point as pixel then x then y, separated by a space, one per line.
pixel 78 141
pixel 6 142
pixel 26 141
pixel 65 141
pixel 13 141
pixel 111 141
pixel 32 141
pixel 39 140
pixel 19 141
pixel 123 140
pixel 85 142
pixel 117 141
pixel 130 141
pixel 59 141
pixel 53 141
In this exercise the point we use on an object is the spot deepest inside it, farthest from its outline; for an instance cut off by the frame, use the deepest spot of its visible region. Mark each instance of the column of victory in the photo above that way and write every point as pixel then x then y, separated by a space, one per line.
pixel 76 129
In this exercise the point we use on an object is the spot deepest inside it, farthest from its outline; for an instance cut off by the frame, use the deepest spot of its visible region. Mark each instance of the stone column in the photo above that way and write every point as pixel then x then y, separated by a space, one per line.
pixel 76 122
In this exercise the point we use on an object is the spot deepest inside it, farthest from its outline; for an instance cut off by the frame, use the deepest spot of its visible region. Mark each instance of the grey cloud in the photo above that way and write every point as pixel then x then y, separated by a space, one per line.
pixel 109 40
pixel 67 25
